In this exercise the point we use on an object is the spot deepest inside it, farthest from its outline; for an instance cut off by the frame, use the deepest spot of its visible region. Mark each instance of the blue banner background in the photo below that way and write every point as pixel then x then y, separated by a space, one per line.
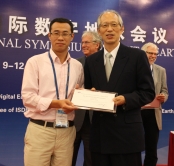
pixel 16 48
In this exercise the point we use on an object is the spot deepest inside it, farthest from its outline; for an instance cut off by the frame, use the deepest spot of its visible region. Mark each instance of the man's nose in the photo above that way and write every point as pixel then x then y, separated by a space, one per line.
pixel 110 28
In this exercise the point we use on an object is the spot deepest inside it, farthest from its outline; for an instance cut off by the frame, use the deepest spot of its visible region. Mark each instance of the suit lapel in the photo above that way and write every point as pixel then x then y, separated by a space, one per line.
pixel 155 74
pixel 119 65
pixel 83 61
pixel 100 70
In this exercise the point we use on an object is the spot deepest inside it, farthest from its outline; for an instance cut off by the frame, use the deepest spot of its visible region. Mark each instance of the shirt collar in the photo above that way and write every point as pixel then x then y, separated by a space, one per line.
pixel 54 56
pixel 113 52
pixel 151 67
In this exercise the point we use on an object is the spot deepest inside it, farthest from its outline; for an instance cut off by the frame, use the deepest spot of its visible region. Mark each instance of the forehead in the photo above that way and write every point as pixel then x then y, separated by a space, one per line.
pixel 87 38
pixel 152 49
pixel 60 27
pixel 109 16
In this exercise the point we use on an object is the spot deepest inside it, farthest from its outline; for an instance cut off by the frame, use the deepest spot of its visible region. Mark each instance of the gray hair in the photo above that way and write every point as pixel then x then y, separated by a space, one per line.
pixel 145 46
pixel 111 11
pixel 95 37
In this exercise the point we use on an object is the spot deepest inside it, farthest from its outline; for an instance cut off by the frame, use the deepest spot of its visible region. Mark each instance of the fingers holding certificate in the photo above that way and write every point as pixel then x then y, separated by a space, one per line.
pixel 94 100
pixel 119 100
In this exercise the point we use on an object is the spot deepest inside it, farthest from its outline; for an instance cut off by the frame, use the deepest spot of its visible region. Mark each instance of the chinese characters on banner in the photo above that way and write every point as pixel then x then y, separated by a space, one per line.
pixel 19 25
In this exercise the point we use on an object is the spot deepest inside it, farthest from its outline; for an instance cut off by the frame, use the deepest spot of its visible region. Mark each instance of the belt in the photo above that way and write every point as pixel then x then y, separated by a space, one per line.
pixel 48 124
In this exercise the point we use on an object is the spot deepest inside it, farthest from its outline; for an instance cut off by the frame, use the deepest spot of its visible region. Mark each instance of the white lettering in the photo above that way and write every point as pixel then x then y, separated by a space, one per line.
pixel 91 27
pixel 169 52
pixel 18 96
pixel 27 42
pixel 74 47
pixel 3 110
pixel 166 53
pixel 138 34
pixel 20 109
pixel 16 45
pixel 18 24
pixel 10 43
pixel 46 46
pixel 42 26
pixel 170 111
pixel 7 96
pixel 159 35
pixel 2 43
pixel 35 43
pixel 11 109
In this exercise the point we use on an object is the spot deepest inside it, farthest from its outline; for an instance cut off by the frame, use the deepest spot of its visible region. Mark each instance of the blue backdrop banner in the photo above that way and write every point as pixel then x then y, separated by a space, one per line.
pixel 24 26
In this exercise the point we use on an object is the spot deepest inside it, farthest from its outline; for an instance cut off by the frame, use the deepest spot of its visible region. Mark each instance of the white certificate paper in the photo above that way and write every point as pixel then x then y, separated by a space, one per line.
pixel 94 100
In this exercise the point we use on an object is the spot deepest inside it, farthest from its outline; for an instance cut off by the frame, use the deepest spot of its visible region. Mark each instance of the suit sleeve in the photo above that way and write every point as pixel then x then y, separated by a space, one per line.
pixel 164 88
pixel 87 79
pixel 144 92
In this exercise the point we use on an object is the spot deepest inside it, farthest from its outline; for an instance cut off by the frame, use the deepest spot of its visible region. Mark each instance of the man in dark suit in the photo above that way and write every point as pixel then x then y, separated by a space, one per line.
pixel 91 43
pixel 152 118
pixel 117 138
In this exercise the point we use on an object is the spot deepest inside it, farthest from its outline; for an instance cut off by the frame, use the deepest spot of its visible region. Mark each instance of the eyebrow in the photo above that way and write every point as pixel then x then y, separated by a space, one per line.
pixel 60 31
pixel 111 22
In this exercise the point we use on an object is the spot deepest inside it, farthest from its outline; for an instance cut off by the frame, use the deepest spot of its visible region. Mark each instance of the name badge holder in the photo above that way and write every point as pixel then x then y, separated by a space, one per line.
pixel 61 119
pixel 61 116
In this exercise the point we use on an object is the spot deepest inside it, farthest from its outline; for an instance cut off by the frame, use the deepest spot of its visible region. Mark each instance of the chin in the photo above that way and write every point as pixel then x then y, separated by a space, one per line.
pixel 85 53
pixel 110 39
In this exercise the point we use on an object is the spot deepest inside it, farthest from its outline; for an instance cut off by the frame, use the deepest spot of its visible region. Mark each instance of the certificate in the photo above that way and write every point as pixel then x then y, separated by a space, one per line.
pixel 94 100
pixel 154 104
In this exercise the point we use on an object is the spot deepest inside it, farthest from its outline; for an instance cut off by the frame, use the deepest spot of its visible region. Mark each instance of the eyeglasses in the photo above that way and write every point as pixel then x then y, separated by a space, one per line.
pixel 152 53
pixel 86 42
pixel 112 24
pixel 64 35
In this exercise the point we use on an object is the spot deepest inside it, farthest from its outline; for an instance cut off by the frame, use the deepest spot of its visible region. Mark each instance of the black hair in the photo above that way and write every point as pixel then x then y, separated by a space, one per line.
pixel 61 20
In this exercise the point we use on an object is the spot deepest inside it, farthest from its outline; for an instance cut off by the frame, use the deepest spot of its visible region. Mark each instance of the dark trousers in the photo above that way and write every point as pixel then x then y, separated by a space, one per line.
pixel 133 159
pixel 83 135
pixel 151 132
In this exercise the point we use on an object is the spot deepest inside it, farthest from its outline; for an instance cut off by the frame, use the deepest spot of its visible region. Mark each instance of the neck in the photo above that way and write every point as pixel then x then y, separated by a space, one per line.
pixel 110 47
pixel 62 55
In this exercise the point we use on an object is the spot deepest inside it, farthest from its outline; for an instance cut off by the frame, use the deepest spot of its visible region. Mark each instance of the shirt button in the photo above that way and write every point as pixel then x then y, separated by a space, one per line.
pixel 115 115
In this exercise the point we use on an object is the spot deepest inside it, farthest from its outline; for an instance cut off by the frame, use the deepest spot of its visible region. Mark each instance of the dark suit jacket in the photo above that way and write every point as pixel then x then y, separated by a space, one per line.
pixel 131 77
pixel 80 114
pixel 82 60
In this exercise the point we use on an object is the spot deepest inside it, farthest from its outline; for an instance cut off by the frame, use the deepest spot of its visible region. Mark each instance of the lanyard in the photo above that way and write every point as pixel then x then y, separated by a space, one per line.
pixel 55 78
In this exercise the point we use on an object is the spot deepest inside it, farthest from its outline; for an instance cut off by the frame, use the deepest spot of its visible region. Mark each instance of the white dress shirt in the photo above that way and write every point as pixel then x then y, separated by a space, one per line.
pixel 114 54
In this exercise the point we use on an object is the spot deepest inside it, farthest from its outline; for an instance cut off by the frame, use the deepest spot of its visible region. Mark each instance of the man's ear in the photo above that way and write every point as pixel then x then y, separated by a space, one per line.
pixel 97 45
pixel 49 35
pixel 122 29
pixel 72 36
pixel 98 30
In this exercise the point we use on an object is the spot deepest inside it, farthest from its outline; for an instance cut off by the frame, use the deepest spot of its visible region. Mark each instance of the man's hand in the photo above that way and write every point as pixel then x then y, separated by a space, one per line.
pixel 65 104
pixel 77 86
pixel 119 100
pixel 93 89
pixel 160 97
